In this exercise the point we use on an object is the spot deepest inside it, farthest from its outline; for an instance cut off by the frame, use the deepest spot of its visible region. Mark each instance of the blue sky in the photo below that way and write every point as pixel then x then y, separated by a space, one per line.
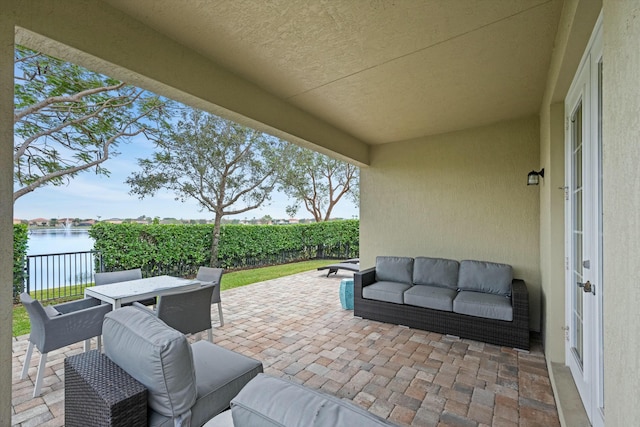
pixel 90 195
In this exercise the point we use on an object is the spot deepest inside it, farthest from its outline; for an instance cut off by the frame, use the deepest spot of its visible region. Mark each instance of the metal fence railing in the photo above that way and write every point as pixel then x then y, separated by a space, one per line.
pixel 60 275
pixel 66 275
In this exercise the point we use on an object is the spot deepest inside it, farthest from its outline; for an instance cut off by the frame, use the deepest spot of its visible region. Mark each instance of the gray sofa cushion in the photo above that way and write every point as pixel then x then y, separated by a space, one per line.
pixel 394 269
pixel 275 402
pixel 436 271
pixel 480 304
pixel 433 297
pixel 154 354
pixel 220 375
pixel 482 276
pixel 386 291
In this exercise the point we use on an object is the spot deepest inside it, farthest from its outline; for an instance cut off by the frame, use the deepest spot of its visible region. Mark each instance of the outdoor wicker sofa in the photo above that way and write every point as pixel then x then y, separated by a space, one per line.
pixel 468 299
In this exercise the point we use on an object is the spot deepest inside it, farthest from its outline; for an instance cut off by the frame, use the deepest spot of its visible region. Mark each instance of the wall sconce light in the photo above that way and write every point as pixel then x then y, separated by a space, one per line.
pixel 534 177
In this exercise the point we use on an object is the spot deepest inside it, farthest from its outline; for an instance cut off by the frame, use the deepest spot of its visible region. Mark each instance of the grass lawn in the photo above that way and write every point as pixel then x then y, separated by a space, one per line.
pixel 245 277
pixel 229 281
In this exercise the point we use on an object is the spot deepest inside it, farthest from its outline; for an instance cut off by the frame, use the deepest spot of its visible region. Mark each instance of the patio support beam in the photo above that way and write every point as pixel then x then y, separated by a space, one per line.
pixel 100 37
pixel 6 213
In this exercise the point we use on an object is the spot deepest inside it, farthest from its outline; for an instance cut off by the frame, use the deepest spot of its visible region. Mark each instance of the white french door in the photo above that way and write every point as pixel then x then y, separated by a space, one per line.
pixel 584 285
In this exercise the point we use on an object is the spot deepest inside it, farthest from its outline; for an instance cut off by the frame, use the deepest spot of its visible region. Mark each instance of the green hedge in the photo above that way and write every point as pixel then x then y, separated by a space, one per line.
pixel 157 249
pixel 181 249
pixel 20 240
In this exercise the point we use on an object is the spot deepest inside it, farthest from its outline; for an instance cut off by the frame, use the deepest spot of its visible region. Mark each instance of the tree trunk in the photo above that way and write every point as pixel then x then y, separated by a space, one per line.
pixel 215 240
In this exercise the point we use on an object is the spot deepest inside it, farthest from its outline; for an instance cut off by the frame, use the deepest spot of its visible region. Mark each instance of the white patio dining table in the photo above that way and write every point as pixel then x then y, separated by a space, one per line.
pixel 120 293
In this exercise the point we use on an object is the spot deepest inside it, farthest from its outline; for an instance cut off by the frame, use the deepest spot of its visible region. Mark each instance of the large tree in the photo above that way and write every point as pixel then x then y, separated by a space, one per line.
pixel 227 168
pixel 318 182
pixel 68 119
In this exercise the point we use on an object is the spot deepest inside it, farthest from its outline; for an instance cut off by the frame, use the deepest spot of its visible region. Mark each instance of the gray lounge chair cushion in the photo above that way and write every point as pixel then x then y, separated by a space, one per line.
pixel 480 304
pixel 220 375
pixel 386 291
pixel 275 402
pixel 154 354
pixel 434 297
pixel 436 272
pixel 394 269
pixel 482 276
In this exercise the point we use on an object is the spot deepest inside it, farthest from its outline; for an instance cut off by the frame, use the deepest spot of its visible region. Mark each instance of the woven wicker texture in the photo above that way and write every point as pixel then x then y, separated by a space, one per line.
pixel 499 332
pixel 99 393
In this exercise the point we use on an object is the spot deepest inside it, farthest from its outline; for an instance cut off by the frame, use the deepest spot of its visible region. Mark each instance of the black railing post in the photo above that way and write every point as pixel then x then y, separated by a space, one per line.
pixel 27 276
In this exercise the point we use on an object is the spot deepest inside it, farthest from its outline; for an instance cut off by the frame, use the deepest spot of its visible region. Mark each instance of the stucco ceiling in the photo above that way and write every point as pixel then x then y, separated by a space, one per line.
pixel 380 70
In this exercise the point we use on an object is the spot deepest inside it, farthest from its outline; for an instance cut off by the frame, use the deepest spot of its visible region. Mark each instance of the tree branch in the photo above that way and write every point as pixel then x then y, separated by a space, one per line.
pixel 59 173
pixel 23 147
pixel 58 99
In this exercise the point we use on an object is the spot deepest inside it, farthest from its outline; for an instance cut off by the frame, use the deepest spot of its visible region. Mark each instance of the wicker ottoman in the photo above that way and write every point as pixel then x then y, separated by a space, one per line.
pixel 100 393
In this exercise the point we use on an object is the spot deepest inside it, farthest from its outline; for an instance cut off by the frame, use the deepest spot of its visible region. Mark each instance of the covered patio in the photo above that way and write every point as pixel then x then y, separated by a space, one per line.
pixel 446 107
pixel 408 376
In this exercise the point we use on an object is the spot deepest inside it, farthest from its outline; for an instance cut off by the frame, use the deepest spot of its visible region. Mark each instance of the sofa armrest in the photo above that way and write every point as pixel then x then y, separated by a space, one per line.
pixel 361 279
pixel 520 302
pixel 366 277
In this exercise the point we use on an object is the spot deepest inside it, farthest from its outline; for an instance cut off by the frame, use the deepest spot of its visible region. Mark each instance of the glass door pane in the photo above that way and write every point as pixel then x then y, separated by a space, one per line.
pixel 577 210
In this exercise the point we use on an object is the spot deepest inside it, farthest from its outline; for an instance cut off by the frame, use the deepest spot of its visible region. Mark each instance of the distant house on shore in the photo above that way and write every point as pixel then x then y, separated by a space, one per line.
pixel 38 222
pixel 113 221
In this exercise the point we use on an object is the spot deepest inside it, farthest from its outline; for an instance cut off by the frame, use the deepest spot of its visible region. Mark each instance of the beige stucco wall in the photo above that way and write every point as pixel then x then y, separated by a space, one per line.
pixel 461 195
pixel 621 216
pixel 6 215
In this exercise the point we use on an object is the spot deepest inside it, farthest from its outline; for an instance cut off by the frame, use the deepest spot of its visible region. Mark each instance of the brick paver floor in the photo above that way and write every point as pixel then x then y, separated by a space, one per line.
pixel 297 328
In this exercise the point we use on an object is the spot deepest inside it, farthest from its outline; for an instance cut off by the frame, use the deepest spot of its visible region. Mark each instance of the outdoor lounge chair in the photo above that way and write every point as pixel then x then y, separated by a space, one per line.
pixel 352 264
pixel 56 326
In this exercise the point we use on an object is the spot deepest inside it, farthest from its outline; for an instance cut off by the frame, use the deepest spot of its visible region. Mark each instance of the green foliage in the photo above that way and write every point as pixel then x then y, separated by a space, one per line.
pixel 181 249
pixel 69 119
pixel 241 245
pixel 20 244
pixel 157 249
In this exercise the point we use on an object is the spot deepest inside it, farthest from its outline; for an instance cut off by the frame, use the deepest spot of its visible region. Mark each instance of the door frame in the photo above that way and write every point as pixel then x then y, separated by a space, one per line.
pixel 586 89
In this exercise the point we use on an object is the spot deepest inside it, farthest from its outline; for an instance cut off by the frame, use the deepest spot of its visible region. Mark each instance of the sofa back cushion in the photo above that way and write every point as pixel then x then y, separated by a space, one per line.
pixel 154 354
pixel 394 269
pixel 482 276
pixel 436 272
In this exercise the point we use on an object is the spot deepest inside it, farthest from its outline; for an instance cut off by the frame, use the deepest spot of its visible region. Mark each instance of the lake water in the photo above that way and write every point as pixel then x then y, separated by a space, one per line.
pixel 58 240
pixel 59 270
